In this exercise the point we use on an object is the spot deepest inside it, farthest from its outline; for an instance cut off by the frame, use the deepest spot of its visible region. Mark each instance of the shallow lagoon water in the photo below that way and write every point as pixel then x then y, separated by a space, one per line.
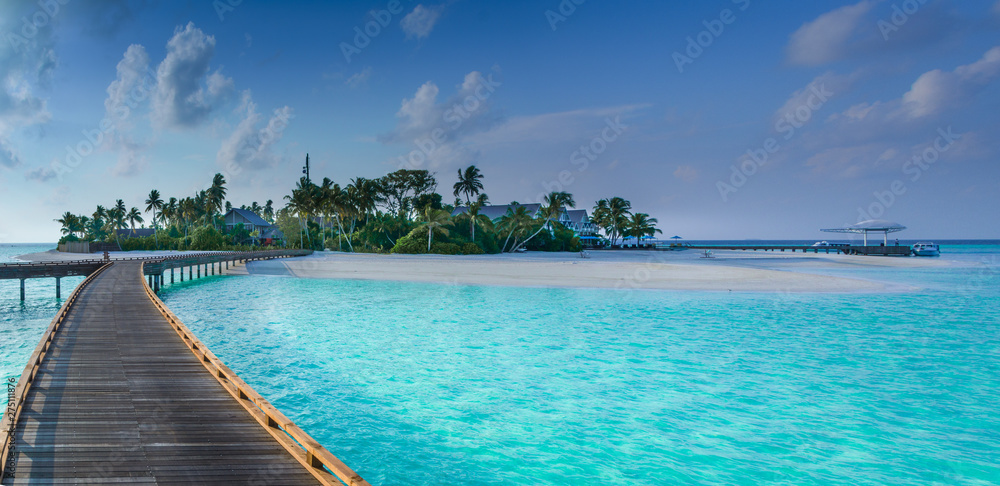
pixel 413 383
pixel 22 323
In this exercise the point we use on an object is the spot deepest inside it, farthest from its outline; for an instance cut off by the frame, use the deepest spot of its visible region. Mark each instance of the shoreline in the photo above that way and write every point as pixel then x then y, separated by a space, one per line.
pixel 727 271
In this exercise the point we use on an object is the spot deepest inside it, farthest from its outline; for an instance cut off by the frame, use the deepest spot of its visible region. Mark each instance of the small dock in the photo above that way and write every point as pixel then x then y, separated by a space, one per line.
pixel 119 391
pixel 844 249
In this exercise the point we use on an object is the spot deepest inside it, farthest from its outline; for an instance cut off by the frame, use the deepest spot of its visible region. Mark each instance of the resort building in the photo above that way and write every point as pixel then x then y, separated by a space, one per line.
pixel 495 212
pixel 578 221
pixel 251 221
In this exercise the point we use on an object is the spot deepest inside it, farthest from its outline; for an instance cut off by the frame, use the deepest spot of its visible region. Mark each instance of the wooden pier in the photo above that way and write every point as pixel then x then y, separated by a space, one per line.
pixel 120 391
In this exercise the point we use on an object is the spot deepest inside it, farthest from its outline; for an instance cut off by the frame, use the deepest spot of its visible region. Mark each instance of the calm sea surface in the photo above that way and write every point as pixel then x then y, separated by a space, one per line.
pixel 22 323
pixel 414 383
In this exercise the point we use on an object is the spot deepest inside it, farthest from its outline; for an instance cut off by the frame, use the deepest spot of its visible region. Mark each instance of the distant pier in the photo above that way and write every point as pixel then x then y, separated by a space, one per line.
pixel 844 249
pixel 155 268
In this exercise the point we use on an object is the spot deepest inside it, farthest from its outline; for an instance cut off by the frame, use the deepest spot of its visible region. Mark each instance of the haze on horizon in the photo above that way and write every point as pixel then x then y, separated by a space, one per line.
pixel 726 119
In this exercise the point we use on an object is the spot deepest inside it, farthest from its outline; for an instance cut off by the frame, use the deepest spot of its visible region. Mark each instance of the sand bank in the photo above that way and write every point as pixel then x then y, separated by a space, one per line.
pixel 682 270
pixel 626 270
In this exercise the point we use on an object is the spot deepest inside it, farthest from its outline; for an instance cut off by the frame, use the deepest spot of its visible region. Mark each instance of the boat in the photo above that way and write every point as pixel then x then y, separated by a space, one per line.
pixel 821 243
pixel 925 249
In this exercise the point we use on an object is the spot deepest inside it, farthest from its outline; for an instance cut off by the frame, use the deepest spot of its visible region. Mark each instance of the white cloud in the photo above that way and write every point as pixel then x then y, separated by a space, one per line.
pixel 935 91
pixel 24 65
pixel 468 111
pixel 419 23
pixel 686 173
pixel 827 38
pixel 185 92
pixel 132 84
pixel 40 174
pixel 819 91
pixel 248 146
pixel 359 78
pixel 8 158
pixel 131 158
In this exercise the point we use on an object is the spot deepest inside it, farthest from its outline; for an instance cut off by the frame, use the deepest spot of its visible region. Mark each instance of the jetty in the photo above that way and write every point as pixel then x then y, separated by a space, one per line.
pixel 120 391
pixel 879 250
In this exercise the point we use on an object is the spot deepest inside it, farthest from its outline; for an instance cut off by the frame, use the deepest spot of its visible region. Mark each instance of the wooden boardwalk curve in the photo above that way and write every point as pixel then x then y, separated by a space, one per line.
pixel 120 398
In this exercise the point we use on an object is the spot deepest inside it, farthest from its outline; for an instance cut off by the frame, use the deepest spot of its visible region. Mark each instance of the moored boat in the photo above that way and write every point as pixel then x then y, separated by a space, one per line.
pixel 926 249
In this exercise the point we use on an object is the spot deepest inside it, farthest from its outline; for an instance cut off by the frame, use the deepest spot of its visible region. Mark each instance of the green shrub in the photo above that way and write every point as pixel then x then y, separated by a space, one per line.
pixel 410 244
pixel 207 238
pixel 472 249
pixel 442 248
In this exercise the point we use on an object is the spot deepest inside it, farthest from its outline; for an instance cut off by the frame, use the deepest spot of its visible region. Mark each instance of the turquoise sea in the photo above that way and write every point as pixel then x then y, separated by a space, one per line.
pixel 413 383
pixel 22 323
pixel 439 384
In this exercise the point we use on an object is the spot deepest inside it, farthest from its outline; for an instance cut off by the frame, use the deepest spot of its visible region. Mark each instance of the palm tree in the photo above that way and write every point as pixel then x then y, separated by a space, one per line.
pixel 216 195
pixel 134 216
pixel 385 223
pixel 516 222
pixel 99 213
pixel 303 202
pixel 612 215
pixel 435 219
pixel 555 203
pixel 476 219
pixel 469 183
pixel 70 223
pixel 619 211
pixel 269 211
pixel 169 210
pixel 117 217
pixel 154 203
pixel 642 225
pixel 344 207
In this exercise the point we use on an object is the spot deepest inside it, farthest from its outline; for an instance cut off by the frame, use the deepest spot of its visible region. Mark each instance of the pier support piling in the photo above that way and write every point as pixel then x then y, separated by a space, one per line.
pixel 199 271
pixel 58 294
pixel 171 275
pixel 22 290
pixel 156 284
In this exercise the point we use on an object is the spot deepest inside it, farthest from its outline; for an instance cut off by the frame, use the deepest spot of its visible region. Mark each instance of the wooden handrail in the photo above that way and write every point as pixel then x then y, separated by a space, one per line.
pixel 323 465
pixel 31 370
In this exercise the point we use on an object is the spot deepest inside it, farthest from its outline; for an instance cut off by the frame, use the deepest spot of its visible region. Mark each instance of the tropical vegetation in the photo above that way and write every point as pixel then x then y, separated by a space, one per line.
pixel 400 212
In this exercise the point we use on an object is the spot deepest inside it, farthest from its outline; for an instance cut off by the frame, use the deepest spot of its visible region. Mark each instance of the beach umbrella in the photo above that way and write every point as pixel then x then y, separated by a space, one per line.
pixel 675 237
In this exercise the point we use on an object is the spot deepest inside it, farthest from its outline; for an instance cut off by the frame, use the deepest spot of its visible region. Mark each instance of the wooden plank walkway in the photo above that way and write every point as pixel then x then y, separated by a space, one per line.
pixel 120 398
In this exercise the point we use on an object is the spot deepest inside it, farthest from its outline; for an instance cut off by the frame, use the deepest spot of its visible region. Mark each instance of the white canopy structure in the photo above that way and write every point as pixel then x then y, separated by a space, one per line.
pixel 872 225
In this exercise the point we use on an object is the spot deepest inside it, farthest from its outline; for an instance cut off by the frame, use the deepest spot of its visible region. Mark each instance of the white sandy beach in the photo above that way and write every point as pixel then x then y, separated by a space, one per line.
pixel 684 270
pixel 603 269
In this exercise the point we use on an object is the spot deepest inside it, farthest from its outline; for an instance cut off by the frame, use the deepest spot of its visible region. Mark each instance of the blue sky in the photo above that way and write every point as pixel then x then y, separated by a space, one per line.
pixel 873 108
